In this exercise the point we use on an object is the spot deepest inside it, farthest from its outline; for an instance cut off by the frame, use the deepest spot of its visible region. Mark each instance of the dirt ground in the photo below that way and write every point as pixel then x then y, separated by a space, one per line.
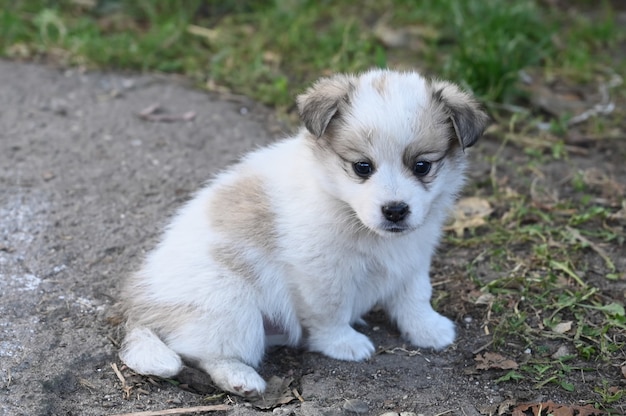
pixel 86 185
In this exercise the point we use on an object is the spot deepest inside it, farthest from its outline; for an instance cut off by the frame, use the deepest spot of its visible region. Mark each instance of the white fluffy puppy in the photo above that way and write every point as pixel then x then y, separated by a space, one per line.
pixel 308 234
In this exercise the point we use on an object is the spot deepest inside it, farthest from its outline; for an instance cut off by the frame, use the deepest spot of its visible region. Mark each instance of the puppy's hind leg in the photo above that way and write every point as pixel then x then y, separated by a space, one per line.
pixel 144 352
pixel 227 345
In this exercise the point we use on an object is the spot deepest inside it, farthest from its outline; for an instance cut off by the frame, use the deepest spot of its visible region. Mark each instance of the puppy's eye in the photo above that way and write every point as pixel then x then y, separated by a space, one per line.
pixel 363 169
pixel 421 168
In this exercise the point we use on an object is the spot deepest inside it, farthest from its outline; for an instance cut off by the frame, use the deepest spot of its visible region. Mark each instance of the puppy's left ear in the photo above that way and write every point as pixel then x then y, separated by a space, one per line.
pixel 466 114
pixel 321 102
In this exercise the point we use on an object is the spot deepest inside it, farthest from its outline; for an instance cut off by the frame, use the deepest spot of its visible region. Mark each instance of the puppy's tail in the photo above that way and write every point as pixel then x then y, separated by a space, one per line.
pixel 144 352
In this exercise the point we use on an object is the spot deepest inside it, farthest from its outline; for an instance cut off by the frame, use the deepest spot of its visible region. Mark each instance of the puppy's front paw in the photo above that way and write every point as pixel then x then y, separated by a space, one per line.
pixel 246 384
pixel 236 377
pixel 346 344
pixel 435 331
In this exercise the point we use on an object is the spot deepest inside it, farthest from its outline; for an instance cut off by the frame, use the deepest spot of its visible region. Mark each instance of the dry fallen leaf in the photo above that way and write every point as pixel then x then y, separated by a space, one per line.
pixel 562 327
pixel 499 409
pixel 598 179
pixel 276 393
pixel 469 213
pixel 562 351
pixel 491 360
pixel 557 103
pixel 405 37
pixel 195 380
pixel 485 299
pixel 505 406
pixel 551 408
pixel 621 214
pixel 212 35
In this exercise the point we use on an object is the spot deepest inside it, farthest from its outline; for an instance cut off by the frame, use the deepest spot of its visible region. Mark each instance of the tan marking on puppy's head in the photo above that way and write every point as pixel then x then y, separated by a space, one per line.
pixel 465 114
pixel 380 84
pixel 242 212
pixel 394 122
pixel 321 102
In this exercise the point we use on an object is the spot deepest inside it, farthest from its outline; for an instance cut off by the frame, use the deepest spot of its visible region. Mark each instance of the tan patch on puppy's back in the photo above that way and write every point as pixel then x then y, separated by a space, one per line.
pixel 141 310
pixel 233 259
pixel 163 319
pixel 242 211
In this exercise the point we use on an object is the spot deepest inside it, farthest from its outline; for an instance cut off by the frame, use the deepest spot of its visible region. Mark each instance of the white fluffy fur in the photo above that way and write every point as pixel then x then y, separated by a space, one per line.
pixel 291 236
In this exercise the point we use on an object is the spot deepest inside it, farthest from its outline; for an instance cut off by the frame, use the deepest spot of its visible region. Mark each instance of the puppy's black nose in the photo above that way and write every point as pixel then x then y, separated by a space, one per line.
pixel 395 211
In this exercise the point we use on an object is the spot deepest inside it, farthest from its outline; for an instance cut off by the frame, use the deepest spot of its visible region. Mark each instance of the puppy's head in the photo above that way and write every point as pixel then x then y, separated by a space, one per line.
pixel 391 145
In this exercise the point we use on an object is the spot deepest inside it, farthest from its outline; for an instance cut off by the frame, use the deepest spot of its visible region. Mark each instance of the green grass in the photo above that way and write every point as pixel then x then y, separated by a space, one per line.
pixel 541 256
pixel 538 253
pixel 272 50
pixel 490 44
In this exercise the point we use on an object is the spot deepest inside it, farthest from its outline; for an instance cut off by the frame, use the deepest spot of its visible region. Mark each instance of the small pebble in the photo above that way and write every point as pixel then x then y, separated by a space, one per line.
pixel 356 406
pixel 389 414
pixel 283 411
pixel 46 176
pixel 563 351
pixel 59 106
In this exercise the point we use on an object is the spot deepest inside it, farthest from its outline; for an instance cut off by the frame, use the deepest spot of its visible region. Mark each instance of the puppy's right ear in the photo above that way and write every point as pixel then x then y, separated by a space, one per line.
pixel 468 119
pixel 320 103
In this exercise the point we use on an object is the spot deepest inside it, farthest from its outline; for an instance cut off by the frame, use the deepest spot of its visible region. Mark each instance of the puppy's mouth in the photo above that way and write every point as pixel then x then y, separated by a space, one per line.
pixel 395 228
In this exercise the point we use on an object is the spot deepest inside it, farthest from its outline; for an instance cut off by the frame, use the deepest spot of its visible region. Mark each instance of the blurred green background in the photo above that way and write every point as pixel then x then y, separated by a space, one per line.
pixel 270 50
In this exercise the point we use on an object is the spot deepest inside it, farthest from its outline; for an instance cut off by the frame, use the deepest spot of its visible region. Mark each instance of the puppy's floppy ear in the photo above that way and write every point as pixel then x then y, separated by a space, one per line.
pixel 466 115
pixel 319 104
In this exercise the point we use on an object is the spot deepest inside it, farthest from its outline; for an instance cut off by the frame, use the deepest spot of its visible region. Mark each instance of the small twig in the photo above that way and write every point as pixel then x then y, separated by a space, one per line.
pixel 410 353
pixel 476 351
pixel 118 373
pixel 180 411
pixel 444 413
pixel 604 107
pixel 113 341
pixel 297 394
pixel 578 236
pixel 151 113
pixel 148 111
pixel 168 118
pixel 565 268
pixel 125 387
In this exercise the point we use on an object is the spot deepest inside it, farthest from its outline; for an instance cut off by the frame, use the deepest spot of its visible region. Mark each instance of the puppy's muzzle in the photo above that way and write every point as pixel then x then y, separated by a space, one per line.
pixel 395 211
